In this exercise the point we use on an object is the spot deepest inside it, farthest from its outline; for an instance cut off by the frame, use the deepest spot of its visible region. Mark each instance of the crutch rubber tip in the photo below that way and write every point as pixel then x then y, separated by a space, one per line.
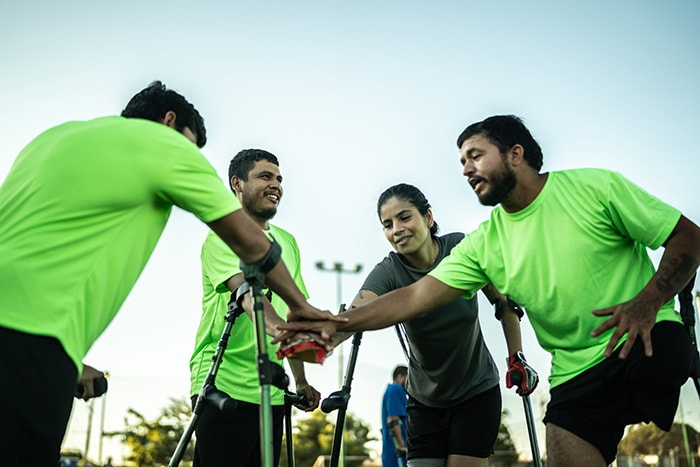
pixel 307 351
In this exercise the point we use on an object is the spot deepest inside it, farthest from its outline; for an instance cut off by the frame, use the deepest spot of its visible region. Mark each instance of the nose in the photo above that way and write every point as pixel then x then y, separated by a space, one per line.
pixel 275 185
pixel 468 168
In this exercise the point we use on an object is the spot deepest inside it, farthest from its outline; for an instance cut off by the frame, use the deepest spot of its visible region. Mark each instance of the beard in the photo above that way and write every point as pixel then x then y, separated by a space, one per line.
pixel 500 185
pixel 266 214
pixel 249 202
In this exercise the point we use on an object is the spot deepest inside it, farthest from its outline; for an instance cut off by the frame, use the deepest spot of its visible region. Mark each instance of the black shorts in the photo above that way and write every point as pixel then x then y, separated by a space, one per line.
pixel 233 439
pixel 599 403
pixel 466 429
pixel 36 398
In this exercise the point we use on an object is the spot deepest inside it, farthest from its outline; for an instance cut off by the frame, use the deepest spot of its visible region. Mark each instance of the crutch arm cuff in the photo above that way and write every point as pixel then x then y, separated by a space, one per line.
pixel 264 264
pixel 500 308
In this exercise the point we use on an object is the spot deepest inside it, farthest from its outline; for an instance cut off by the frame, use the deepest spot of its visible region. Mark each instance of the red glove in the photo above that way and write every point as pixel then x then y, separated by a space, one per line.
pixel 305 350
pixel 521 375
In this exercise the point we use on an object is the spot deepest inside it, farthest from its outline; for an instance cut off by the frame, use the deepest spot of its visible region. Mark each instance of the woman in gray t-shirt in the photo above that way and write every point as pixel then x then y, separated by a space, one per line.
pixel 454 405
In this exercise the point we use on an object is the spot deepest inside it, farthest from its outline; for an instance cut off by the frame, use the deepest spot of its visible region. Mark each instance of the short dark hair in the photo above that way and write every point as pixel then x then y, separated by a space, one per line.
pixel 505 131
pixel 243 162
pixel 410 194
pixel 153 102
pixel 399 370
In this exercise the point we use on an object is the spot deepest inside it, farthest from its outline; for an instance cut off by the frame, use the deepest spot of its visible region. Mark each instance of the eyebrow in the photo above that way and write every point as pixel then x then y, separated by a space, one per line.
pixel 471 151
pixel 267 172
pixel 398 214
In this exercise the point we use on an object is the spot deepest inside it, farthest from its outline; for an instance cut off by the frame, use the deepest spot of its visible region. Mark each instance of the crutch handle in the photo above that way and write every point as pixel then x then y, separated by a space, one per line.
pixel 99 386
pixel 220 400
pixel 517 378
pixel 336 400
pixel 296 399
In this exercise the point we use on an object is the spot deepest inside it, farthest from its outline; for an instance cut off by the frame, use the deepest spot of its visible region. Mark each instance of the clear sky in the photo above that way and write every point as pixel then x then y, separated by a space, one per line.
pixel 352 97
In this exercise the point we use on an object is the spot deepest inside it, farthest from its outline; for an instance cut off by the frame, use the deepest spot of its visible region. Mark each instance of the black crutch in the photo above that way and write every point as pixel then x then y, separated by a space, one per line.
pixel 209 393
pixel 400 457
pixel 517 378
pixel 339 399
pixel 268 372
pixel 291 399
pixel 685 299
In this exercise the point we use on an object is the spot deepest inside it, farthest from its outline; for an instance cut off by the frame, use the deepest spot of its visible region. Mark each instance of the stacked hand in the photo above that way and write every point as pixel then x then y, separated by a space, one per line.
pixel 521 375
pixel 322 331
pixel 311 313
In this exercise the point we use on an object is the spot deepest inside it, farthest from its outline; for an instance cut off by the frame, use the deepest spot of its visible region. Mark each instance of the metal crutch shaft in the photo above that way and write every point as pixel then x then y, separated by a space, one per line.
pixel 517 379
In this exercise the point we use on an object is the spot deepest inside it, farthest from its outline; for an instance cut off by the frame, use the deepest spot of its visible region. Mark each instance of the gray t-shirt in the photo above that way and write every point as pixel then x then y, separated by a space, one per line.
pixel 449 361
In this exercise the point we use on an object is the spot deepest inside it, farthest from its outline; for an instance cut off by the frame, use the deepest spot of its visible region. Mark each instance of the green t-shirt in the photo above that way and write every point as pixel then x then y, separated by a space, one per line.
pixel 238 375
pixel 580 245
pixel 81 211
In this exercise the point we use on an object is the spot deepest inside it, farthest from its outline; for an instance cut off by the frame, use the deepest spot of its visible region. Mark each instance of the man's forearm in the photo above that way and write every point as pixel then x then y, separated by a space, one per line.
pixel 511 331
pixel 677 266
pixel 298 371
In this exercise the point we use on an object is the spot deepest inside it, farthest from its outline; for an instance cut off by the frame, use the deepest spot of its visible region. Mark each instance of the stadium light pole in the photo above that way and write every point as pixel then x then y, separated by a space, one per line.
pixel 339 270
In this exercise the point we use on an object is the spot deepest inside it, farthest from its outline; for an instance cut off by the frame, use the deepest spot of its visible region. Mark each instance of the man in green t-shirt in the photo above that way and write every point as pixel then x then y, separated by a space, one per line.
pixel 571 247
pixel 233 439
pixel 81 210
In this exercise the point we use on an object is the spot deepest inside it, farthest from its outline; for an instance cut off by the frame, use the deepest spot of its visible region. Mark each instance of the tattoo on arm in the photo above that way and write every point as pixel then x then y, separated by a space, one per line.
pixel 672 271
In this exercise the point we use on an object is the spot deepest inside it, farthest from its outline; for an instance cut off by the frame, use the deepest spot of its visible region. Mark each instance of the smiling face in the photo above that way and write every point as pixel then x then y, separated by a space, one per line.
pixel 406 229
pixel 487 170
pixel 261 194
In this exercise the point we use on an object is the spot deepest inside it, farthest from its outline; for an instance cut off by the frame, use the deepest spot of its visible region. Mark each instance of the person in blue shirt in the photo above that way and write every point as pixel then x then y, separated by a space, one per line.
pixel 394 419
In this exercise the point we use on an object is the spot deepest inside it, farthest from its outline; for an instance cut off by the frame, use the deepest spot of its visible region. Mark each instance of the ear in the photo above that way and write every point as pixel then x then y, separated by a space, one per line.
pixel 169 119
pixel 516 155
pixel 429 218
pixel 235 184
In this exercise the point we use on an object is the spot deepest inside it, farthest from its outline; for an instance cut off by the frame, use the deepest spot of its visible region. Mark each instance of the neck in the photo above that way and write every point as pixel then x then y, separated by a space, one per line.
pixel 426 256
pixel 524 193
pixel 264 224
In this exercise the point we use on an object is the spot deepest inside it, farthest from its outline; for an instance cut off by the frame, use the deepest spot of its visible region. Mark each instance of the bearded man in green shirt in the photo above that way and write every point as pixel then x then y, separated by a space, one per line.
pixel 570 247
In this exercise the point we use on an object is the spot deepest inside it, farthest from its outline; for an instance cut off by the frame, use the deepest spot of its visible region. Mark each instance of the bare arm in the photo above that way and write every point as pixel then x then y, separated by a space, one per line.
pixel 363 297
pixel 400 305
pixel 638 316
pixel 394 307
pixel 313 397
pixel 396 433
pixel 510 321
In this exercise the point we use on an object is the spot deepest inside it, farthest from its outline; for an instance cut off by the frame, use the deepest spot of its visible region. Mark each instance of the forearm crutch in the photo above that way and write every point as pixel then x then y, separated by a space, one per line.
pixel 209 393
pixel 268 373
pixel 339 399
pixel 685 299
pixel 536 459
pixel 291 399
pixel 400 456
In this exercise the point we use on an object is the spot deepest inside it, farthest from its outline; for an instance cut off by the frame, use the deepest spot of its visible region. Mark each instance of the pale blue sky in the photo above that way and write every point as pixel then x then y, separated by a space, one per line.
pixel 353 97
